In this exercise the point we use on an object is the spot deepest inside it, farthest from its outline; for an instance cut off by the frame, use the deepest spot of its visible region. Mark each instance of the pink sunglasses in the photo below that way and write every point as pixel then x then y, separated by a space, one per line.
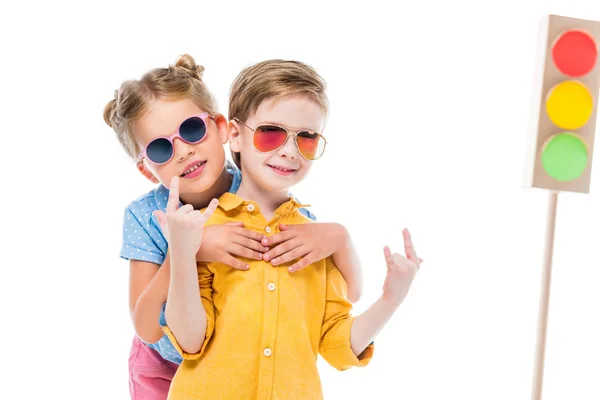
pixel 193 130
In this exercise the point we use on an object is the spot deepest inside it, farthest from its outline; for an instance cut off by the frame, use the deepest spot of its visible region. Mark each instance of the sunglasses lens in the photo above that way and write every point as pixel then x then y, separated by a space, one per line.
pixel 269 137
pixel 193 130
pixel 310 145
pixel 159 151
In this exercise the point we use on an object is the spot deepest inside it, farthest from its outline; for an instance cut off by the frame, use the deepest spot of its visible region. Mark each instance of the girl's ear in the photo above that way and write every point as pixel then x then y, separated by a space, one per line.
pixel 234 136
pixel 144 171
pixel 221 127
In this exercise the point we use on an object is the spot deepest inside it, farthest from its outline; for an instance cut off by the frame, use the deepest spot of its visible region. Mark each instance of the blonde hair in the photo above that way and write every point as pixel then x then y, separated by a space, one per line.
pixel 272 80
pixel 180 81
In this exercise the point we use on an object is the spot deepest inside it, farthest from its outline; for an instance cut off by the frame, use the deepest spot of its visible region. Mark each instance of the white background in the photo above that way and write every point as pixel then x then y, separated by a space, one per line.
pixel 430 110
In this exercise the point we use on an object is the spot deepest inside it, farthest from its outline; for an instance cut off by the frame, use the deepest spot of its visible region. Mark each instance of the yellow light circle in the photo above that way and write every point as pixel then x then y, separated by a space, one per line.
pixel 569 105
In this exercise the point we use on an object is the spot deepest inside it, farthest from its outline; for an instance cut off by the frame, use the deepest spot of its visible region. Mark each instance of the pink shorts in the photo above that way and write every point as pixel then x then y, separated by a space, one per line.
pixel 150 375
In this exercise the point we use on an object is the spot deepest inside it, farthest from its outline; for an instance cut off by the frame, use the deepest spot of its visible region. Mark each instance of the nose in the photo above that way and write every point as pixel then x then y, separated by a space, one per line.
pixel 288 150
pixel 182 150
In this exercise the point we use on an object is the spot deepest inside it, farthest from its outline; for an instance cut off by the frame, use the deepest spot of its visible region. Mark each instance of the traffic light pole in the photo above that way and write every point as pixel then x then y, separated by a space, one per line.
pixel 538 375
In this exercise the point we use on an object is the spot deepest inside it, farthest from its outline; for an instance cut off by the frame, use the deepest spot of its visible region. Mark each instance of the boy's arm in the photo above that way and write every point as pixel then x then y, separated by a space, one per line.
pixel 368 324
pixel 196 349
pixel 348 341
pixel 335 346
pixel 185 314
pixel 401 271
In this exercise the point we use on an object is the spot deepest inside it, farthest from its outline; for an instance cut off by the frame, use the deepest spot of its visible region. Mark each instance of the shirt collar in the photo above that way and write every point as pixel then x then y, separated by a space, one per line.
pixel 230 201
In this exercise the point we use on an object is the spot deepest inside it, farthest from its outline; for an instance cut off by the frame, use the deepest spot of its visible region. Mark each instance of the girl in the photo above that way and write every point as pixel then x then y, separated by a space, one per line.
pixel 257 335
pixel 168 123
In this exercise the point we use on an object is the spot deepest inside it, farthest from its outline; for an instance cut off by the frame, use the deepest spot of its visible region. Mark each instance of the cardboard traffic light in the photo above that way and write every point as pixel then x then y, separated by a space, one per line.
pixel 561 139
pixel 565 105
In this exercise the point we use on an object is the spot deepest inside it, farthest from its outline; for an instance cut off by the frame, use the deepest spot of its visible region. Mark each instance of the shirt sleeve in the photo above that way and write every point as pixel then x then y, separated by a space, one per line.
pixel 205 279
pixel 337 325
pixel 138 243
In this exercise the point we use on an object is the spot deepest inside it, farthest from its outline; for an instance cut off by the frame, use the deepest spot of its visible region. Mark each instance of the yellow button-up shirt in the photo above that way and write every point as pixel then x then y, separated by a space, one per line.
pixel 265 326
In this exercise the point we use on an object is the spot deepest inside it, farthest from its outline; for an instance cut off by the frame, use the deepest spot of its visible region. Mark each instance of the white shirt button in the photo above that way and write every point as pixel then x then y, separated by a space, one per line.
pixel 268 229
pixel 250 207
pixel 271 286
pixel 268 352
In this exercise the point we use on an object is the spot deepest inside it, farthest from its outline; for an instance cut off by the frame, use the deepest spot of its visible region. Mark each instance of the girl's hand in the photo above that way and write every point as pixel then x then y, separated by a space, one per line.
pixel 311 242
pixel 401 271
pixel 183 227
pixel 222 242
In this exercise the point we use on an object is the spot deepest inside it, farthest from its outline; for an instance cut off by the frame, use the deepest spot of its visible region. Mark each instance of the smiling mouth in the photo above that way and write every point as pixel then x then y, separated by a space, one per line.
pixel 192 169
pixel 282 169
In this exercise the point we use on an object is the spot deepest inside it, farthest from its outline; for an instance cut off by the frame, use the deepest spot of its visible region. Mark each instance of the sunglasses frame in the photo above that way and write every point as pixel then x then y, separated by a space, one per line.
pixel 204 117
pixel 294 134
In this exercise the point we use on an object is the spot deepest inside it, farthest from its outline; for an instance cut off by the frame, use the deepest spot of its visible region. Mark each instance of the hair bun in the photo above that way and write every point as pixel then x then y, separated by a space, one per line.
pixel 110 110
pixel 187 63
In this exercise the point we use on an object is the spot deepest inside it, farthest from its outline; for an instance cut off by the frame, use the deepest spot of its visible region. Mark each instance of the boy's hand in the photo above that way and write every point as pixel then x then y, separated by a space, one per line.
pixel 222 242
pixel 183 227
pixel 312 242
pixel 400 271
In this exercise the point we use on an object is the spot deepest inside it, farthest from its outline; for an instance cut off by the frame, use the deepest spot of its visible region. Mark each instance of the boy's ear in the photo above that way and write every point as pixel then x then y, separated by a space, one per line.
pixel 222 127
pixel 144 171
pixel 234 136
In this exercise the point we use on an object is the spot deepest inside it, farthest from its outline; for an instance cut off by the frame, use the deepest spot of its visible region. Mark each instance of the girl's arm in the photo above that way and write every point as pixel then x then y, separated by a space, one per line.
pixel 346 258
pixel 148 287
pixel 147 284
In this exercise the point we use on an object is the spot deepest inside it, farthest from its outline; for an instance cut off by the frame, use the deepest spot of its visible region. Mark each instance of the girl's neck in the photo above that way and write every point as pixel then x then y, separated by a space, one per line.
pixel 267 201
pixel 201 200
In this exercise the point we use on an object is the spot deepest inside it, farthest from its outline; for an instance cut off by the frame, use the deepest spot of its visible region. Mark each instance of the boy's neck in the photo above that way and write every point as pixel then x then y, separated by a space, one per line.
pixel 267 201
pixel 201 200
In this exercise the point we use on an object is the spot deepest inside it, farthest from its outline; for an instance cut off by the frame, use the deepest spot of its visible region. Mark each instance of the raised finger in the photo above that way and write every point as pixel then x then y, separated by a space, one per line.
pixel 409 249
pixel 291 255
pixel 173 201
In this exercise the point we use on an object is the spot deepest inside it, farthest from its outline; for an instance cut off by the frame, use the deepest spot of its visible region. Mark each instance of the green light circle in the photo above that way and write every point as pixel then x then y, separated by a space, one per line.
pixel 565 157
